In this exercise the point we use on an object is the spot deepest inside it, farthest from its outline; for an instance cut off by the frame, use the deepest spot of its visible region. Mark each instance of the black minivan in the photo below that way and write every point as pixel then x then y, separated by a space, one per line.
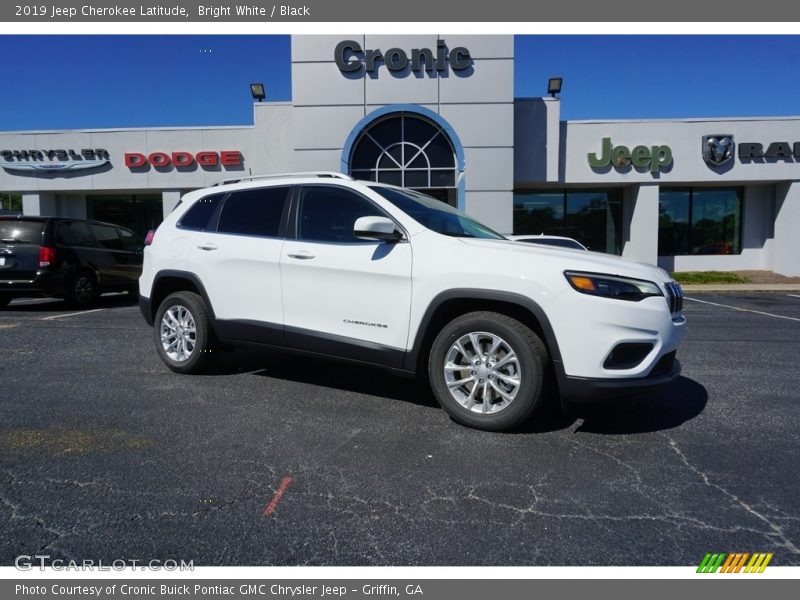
pixel 67 258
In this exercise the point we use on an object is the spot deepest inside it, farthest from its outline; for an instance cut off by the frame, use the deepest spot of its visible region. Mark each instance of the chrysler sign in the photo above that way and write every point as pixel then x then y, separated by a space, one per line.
pixel 54 160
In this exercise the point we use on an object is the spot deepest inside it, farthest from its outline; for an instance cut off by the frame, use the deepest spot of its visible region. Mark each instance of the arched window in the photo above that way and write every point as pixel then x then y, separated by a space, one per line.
pixel 405 149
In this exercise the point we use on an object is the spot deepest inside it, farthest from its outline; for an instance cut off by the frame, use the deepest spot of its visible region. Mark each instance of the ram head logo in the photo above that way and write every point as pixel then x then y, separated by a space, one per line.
pixel 718 149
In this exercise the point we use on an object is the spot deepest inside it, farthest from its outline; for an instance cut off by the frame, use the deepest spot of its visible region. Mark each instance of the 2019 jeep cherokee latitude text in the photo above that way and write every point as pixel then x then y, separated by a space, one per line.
pixel 324 264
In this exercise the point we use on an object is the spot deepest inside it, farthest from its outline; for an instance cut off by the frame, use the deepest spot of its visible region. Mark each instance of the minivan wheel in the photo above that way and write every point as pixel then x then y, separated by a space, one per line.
pixel 487 370
pixel 183 335
pixel 82 290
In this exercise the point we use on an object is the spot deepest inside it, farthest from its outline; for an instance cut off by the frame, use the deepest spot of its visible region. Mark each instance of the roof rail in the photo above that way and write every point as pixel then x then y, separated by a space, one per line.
pixel 321 174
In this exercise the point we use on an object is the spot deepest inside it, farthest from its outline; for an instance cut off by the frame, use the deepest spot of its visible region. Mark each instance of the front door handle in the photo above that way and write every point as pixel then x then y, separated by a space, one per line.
pixel 207 246
pixel 302 255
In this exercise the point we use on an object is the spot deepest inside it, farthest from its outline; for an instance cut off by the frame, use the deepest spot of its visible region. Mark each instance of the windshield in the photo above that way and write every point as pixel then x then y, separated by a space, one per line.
pixel 436 215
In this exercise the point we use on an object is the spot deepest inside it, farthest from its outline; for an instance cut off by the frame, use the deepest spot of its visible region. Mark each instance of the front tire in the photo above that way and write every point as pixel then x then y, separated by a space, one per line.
pixel 487 371
pixel 184 337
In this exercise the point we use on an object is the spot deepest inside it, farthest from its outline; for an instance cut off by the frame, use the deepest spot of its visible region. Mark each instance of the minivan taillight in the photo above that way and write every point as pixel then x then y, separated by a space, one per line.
pixel 148 239
pixel 47 256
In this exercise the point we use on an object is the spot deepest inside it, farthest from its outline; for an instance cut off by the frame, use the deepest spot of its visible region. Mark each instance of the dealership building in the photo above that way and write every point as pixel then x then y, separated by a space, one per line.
pixel 438 114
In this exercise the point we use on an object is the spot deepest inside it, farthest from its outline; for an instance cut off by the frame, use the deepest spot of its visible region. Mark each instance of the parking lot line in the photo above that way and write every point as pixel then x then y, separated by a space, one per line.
pixel 793 295
pixel 277 497
pixel 758 312
pixel 84 312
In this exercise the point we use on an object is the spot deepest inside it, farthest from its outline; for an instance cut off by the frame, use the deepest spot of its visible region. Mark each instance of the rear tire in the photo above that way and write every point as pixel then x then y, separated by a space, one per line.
pixel 487 371
pixel 82 290
pixel 183 335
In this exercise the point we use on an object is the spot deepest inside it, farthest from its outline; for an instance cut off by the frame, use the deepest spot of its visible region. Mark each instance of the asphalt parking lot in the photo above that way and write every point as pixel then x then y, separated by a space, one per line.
pixel 105 454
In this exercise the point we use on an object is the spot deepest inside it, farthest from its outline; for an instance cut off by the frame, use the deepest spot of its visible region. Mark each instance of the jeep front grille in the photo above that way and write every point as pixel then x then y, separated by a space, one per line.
pixel 674 296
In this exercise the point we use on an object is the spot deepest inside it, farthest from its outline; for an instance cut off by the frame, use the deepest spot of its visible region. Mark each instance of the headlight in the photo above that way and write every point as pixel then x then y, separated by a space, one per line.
pixel 612 286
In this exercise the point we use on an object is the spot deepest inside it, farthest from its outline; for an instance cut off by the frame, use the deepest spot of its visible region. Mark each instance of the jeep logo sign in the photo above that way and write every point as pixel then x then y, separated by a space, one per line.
pixel 351 58
pixel 652 158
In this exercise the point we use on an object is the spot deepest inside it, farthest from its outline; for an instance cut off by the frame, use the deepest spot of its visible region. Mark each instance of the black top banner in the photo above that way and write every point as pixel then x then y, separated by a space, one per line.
pixel 360 11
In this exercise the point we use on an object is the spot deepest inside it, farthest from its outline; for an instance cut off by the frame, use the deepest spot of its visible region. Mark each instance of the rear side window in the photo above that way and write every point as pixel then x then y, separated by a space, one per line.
pixel 254 212
pixel 74 233
pixel 106 237
pixel 21 232
pixel 199 214
pixel 328 213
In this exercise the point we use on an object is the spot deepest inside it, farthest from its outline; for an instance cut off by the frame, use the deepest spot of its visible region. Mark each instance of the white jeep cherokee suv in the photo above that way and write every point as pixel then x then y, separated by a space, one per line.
pixel 320 263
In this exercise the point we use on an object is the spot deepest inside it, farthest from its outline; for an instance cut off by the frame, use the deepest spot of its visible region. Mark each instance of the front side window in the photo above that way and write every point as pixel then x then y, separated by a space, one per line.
pixel 699 221
pixel 106 237
pixel 129 242
pixel 328 213
pixel 436 215
pixel 256 212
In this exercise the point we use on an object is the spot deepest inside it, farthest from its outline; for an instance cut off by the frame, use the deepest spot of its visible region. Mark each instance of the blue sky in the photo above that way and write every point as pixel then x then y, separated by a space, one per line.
pixel 608 77
pixel 61 82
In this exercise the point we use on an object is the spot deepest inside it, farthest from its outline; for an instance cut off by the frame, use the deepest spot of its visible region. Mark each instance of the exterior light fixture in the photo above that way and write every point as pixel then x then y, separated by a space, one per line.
pixel 257 89
pixel 554 86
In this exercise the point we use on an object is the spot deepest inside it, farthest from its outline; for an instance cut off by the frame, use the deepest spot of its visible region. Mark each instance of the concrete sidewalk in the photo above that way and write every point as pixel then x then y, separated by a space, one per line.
pixel 741 287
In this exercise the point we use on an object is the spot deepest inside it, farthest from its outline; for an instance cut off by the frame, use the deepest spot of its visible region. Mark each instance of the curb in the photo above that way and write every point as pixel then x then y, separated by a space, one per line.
pixel 741 287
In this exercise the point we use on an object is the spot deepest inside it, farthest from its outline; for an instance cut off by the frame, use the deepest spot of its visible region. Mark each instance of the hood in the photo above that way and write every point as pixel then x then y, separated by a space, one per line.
pixel 568 259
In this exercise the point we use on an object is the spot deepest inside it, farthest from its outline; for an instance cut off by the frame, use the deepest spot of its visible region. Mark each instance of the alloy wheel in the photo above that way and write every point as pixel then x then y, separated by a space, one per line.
pixel 83 289
pixel 482 372
pixel 178 333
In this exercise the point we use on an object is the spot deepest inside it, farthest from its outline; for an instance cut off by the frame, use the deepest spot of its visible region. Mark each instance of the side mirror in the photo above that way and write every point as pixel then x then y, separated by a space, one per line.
pixel 376 229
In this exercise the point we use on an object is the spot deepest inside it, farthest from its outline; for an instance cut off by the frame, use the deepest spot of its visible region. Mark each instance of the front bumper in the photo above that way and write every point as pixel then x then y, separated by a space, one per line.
pixel 611 347
pixel 588 389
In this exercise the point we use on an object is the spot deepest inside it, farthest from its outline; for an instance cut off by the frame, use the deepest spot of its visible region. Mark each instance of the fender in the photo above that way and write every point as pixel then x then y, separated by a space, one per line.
pixel 413 355
pixel 194 279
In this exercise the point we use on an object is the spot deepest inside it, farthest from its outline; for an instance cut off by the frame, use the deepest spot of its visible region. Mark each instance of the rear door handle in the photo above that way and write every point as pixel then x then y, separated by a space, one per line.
pixel 207 246
pixel 302 255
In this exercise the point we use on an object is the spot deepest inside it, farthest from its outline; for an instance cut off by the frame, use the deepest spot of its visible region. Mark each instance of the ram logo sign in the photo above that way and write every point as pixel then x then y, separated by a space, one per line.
pixel 718 149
